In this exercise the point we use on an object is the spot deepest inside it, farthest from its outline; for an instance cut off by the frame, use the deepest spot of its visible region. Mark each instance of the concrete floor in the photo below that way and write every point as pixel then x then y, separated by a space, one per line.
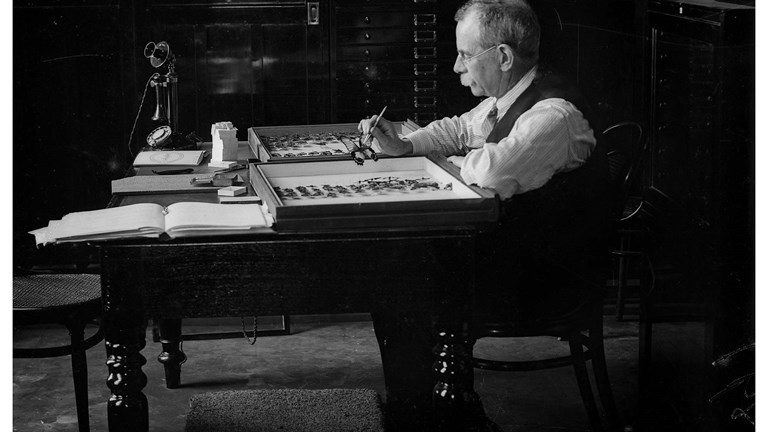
pixel 325 353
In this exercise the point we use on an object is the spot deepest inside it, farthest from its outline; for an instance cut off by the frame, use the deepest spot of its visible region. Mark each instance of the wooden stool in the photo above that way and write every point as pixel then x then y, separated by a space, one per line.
pixel 286 410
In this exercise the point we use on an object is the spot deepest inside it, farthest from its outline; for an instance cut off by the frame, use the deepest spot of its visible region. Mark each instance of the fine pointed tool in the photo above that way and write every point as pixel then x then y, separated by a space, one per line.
pixel 365 140
pixel 217 179
pixel 232 168
pixel 174 171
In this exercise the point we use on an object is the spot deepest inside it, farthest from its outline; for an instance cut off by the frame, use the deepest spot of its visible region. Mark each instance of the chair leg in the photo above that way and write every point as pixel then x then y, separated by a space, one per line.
pixel 80 375
pixel 582 378
pixel 601 374
pixel 645 347
pixel 172 357
pixel 621 289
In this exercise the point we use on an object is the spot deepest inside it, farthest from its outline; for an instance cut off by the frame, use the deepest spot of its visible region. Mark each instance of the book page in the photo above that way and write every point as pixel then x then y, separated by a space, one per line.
pixel 136 219
pixel 208 216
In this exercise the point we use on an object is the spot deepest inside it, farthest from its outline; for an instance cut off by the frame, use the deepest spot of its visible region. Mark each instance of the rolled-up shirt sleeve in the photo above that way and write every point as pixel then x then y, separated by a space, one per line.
pixel 442 136
pixel 450 136
pixel 551 137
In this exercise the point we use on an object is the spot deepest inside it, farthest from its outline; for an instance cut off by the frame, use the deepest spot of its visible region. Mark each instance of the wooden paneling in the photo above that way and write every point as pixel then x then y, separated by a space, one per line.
pixel 67 110
pixel 252 64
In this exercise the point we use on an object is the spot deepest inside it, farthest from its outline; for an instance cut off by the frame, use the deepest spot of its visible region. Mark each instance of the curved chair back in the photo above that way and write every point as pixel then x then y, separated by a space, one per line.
pixel 626 146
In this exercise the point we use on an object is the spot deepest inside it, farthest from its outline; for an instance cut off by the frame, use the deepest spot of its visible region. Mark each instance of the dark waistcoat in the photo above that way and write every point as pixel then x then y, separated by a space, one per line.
pixel 561 225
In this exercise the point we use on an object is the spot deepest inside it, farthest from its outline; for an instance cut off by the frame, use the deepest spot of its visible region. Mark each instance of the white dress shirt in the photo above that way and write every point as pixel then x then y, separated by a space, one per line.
pixel 552 137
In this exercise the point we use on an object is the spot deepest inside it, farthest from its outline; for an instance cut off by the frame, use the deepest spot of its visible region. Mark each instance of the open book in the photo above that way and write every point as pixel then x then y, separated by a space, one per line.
pixel 182 219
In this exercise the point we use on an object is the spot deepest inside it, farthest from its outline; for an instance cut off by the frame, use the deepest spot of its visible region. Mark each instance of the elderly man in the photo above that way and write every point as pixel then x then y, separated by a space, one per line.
pixel 529 132
pixel 501 143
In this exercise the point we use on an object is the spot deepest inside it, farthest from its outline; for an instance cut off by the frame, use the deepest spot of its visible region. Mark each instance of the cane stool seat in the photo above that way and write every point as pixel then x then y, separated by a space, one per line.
pixel 73 300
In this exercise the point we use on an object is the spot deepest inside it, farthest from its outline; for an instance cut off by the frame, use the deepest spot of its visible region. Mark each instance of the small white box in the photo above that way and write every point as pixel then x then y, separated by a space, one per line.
pixel 222 164
pixel 224 139
pixel 220 125
pixel 232 191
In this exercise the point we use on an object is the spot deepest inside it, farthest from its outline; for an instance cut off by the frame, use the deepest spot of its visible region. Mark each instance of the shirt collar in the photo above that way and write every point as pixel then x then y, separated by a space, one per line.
pixel 503 103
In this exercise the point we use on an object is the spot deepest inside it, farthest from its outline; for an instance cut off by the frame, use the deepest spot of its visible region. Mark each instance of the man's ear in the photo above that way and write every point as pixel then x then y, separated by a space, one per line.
pixel 508 57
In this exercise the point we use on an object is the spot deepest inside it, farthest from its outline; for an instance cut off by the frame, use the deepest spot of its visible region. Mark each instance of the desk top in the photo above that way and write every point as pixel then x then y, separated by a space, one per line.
pixel 244 156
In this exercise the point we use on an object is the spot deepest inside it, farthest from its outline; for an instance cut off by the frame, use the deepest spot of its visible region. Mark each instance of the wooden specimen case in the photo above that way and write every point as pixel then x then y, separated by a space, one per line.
pixel 427 191
pixel 308 142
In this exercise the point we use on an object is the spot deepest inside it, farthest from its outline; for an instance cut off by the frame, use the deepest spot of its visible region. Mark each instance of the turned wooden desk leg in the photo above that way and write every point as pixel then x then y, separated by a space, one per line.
pixel 172 356
pixel 127 408
pixel 125 332
pixel 453 397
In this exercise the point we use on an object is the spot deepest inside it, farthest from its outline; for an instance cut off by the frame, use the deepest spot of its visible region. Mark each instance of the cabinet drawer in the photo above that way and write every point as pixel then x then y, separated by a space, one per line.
pixel 404 100
pixel 363 87
pixel 385 36
pixel 354 114
pixel 377 71
pixel 376 101
pixel 380 3
pixel 385 52
pixel 371 19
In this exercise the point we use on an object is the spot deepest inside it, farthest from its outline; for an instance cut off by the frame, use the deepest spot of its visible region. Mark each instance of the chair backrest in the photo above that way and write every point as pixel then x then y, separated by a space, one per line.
pixel 626 146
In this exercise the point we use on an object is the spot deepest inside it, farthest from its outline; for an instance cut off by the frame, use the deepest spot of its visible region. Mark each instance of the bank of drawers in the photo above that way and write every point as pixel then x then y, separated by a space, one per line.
pixel 392 53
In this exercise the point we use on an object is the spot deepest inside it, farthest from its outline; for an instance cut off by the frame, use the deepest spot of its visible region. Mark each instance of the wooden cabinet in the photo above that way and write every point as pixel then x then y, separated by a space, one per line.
pixel 394 53
pixel 701 197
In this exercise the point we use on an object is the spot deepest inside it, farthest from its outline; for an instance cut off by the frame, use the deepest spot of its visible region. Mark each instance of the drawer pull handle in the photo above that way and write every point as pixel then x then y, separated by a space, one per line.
pixel 424 85
pixel 425 69
pixel 424 19
pixel 313 13
pixel 424 118
pixel 424 36
pixel 425 52
pixel 424 102
pixel 367 36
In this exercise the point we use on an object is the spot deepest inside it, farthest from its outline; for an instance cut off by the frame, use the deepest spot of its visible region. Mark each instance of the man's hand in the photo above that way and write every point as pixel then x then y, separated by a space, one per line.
pixel 386 135
pixel 456 160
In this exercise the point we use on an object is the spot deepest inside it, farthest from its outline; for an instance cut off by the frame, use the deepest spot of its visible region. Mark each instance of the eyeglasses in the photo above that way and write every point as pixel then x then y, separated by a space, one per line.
pixel 465 59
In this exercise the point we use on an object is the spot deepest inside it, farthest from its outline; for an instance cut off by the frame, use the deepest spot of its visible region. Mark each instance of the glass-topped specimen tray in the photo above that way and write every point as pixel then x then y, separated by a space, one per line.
pixel 404 191
pixel 308 142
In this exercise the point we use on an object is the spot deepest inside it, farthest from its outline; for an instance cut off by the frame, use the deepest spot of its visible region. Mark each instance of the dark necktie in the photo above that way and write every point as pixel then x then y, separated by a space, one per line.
pixel 490 120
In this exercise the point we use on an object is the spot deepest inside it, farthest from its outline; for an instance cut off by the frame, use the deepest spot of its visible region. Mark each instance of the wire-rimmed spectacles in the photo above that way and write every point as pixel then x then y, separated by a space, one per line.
pixel 464 59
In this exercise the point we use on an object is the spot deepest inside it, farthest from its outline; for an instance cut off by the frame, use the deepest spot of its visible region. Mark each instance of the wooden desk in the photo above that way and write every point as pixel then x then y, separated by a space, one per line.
pixel 282 273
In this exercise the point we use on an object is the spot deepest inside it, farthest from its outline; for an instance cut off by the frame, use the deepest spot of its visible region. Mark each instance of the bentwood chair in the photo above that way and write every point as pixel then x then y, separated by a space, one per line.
pixel 626 151
pixel 582 327
pixel 73 300
pixel 571 266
